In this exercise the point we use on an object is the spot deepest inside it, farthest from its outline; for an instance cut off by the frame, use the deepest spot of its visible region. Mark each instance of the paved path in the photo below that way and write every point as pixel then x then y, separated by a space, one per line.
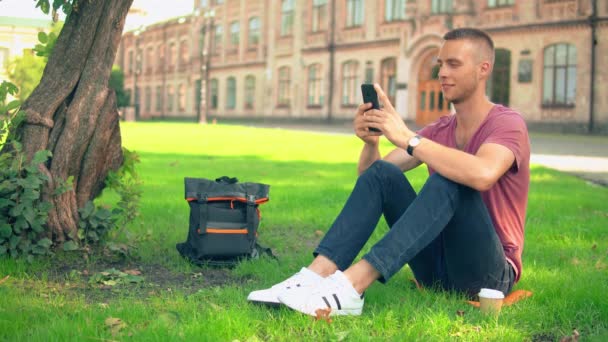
pixel 583 156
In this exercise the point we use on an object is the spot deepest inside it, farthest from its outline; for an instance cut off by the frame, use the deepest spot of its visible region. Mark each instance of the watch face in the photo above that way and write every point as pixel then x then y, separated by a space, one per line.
pixel 414 141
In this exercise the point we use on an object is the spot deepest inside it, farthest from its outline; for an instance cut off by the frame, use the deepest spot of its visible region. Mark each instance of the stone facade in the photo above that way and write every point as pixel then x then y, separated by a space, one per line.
pixel 289 59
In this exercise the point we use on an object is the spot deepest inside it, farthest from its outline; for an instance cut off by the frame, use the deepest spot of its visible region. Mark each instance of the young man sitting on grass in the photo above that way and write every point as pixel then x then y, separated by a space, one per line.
pixel 463 231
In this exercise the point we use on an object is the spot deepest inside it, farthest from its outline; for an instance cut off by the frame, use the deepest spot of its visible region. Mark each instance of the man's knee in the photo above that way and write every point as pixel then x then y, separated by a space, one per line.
pixel 382 167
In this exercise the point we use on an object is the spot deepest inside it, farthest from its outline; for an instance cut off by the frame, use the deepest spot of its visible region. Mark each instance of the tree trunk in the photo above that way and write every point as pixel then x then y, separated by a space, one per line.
pixel 73 113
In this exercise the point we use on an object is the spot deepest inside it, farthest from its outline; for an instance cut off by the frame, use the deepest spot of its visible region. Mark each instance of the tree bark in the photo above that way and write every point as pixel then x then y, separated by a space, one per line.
pixel 73 112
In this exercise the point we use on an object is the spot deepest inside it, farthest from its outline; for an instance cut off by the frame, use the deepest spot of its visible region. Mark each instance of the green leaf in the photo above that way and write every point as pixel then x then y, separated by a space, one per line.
pixel 57 4
pixel 3 249
pixel 45 242
pixel 13 104
pixel 40 250
pixel 70 246
pixel 5 231
pixel 42 37
pixel 14 241
pixel 44 6
pixel 5 202
pixel 41 157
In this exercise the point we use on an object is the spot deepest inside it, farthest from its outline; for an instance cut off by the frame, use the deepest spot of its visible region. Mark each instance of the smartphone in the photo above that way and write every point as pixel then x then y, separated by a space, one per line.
pixel 370 95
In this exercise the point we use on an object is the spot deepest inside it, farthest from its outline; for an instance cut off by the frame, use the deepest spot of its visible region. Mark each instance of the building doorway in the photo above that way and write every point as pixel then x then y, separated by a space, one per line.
pixel 430 103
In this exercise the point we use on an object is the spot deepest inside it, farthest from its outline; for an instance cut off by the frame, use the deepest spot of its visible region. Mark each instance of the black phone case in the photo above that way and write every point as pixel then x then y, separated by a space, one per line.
pixel 370 95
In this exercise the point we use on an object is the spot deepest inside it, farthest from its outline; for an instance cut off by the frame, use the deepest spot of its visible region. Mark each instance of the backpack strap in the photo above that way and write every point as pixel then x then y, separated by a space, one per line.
pixel 251 226
pixel 203 213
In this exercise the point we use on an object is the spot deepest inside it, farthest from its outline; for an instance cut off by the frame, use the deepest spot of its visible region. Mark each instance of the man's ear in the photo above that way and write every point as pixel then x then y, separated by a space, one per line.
pixel 485 69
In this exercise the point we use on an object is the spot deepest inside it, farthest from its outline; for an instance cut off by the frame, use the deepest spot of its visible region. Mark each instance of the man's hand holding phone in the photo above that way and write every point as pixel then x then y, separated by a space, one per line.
pixel 387 121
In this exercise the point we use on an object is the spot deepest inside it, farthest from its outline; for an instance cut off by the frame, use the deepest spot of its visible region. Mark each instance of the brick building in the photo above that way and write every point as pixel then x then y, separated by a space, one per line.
pixel 305 59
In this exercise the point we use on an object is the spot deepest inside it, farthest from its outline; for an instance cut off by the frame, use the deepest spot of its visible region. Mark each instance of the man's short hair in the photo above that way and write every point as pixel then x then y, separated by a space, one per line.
pixel 474 35
pixel 469 33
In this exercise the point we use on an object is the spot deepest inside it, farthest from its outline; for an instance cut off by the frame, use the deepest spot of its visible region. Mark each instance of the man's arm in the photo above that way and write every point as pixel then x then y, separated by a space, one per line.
pixel 479 171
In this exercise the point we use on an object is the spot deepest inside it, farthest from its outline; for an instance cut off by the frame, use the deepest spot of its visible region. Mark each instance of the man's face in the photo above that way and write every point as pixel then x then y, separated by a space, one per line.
pixel 459 72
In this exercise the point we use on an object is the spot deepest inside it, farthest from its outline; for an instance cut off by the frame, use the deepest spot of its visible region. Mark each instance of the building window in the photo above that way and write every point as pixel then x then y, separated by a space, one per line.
pixel 315 85
pixel 170 96
pixel 287 8
pixel 500 3
pixel 160 50
pixel 284 87
pixel 181 98
pixel 159 98
pixel 394 10
pixel 559 75
pixel 234 33
pixel 204 3
pixel 231 93
pixel 319 15
pixel 249 91
pixel 218 39
pixel 441 6
pixel 183 53
pixel 254 31
pixel 354 13
pixel 130 68
pixel 388 70
pixel 350 83
pixel 369 73
pixel 172 53
pixel 148 99
pixel 213 89
pixel 149 59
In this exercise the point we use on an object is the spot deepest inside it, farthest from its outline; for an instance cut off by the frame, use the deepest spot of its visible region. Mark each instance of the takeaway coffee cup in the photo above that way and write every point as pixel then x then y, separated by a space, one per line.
pixel 490 301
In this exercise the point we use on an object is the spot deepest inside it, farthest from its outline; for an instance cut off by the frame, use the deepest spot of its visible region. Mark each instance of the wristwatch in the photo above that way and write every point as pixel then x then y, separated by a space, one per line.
pixel 412 143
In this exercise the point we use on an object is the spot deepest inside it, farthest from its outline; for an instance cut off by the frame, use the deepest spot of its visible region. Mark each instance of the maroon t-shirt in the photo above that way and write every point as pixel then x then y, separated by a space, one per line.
pixel 507 199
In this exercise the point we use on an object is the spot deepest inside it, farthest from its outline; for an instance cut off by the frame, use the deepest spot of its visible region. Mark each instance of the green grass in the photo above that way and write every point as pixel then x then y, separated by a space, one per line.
pixel 311 175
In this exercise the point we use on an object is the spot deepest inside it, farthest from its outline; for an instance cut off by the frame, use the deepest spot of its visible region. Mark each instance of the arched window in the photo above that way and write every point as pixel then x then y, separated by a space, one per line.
pixel 394 10
pixel 559 75
pixel 183 53
pixel 254 31
pixel 319 15
pixel 213 89
pixel 388 70
pixel 354 13
pixel 170 96
pixel 172 54
pixel 234 33
pixel 350 83
pixel 287 8
pixel 230 93
pixel 249 91
pixel 147 99
pixel 441 6
pixel 284 97
pixel 181 98
pixel 315 85
pixel 218 39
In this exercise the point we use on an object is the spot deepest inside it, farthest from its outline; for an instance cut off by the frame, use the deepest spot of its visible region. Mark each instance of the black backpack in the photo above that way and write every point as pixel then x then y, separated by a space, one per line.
pixel 224 220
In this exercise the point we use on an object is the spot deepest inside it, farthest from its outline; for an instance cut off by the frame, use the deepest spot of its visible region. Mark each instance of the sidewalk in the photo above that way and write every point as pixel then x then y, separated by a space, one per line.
pixel 583 156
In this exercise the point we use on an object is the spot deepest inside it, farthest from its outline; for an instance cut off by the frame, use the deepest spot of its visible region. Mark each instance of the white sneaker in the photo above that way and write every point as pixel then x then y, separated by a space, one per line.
pixel 296 283
pixel 334 292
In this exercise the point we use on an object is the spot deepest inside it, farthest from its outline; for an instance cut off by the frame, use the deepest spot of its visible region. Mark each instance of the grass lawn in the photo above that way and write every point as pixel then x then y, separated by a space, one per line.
pixel 565 256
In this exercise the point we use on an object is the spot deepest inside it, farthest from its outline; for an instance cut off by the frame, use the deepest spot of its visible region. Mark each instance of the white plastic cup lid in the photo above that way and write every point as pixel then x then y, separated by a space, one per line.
pixel 490 293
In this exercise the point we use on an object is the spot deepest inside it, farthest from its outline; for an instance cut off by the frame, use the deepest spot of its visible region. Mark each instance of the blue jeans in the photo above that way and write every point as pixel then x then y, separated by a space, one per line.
pixel 444 233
